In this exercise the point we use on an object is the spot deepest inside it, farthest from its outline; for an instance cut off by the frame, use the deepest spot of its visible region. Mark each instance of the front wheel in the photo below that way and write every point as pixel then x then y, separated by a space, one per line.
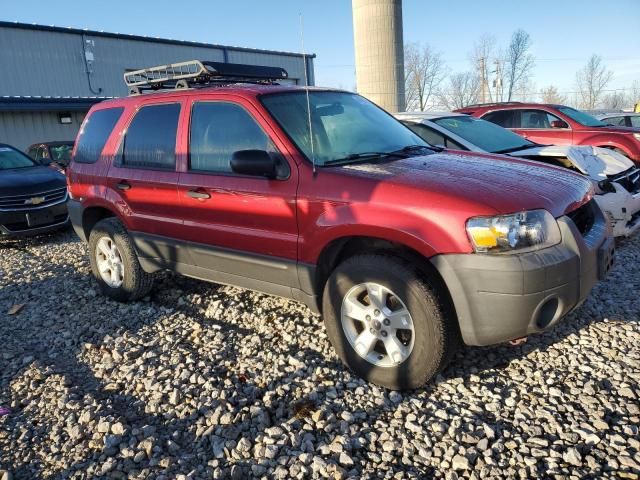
pixel 387 322
pixel 114 262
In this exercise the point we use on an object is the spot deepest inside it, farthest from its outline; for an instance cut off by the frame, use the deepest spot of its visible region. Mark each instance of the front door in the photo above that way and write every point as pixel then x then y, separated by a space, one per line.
pixel 239 225
pixel 535 125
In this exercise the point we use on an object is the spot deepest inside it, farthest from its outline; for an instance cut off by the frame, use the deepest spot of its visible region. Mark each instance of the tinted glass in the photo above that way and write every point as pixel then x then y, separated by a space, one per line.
pixel 617 121
pixel 342 124
pixel 12 158
pixel 429 135
pixel 581 117
pixel 150 141
pixel 33 153
pixel 61 153
pixel 94 134
pixel 504 118
pixel 635 121
pixel 217 131
pixel 536 119
pixel 486 135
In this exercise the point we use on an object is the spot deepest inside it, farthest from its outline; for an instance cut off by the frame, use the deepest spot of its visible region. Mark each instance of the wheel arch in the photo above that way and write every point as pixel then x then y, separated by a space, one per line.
pixel 340 249
pixel 92 215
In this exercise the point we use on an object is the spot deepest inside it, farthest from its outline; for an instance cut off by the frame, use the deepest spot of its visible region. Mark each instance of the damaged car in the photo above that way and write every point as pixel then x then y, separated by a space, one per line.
pixel 616 179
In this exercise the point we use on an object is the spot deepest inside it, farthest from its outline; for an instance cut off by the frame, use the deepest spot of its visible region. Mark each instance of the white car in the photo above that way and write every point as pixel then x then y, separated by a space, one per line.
pixel 616 179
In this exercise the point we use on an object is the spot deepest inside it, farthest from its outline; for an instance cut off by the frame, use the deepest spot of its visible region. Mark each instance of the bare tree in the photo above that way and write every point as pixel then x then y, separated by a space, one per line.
pixel 462 89
pixel 592 80
pixel 616 100
pixel 519 61
pixel 550 94
pixel 633 95
pixel 424 72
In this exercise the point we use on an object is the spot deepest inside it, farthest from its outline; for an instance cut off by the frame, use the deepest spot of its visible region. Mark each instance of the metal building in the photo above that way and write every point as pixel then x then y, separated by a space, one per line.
pixel 377 32
pixel 50 76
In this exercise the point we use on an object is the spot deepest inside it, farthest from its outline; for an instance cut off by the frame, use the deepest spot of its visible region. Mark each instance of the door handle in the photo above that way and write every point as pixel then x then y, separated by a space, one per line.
pixel 199 194
pixel 123 185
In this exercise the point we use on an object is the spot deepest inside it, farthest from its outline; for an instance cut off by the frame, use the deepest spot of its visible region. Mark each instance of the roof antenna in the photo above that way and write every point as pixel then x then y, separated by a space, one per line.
pixel 306 83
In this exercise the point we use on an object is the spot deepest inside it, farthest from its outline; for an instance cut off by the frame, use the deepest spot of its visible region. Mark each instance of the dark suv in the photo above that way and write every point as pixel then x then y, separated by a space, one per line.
pixel 549 124
pixel 320 196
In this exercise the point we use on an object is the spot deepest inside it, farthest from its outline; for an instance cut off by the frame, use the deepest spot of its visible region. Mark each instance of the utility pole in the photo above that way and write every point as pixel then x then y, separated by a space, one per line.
pixel 497 82
pixel 485 94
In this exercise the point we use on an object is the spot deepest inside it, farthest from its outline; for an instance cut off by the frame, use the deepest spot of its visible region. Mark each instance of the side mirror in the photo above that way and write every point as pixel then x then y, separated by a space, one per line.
pixel 256 163
pixel 559 124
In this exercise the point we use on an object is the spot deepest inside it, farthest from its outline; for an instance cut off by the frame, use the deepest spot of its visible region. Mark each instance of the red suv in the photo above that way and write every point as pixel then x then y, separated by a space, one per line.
pixel 320 196
pixel 559 125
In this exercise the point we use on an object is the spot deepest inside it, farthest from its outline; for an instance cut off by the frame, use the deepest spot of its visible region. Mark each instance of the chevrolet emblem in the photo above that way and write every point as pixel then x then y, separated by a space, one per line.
pixel 34 201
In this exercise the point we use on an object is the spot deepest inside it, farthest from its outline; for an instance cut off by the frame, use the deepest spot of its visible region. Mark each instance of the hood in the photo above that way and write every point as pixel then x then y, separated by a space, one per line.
pixel 595 162
pixel 25 181
pixel 504 184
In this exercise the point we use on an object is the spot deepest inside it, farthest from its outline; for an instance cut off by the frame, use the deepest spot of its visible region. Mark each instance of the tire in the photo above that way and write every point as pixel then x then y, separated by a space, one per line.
pixel 135 283
pixel 435 333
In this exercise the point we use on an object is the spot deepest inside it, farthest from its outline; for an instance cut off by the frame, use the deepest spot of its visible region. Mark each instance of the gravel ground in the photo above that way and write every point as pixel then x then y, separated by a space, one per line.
pixel 206 381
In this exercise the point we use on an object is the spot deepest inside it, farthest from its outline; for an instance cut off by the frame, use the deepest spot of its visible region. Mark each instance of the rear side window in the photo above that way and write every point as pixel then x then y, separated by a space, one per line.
pixel 150 141
pixel 219 129
pixel 94 134
pixel 433 137
pixel 504 118
pixel 635 121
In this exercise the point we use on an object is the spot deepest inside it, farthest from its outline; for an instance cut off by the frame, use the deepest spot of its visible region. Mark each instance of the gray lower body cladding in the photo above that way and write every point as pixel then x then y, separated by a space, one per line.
pixel 502 297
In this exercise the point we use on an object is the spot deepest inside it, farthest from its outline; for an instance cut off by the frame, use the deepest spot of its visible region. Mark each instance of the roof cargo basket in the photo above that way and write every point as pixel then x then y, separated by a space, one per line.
pixel 199 73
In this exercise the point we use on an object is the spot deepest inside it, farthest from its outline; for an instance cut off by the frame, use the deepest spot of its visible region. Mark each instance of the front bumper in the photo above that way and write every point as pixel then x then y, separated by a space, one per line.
pixel 502 297
pixel 15 223
pixel 623 210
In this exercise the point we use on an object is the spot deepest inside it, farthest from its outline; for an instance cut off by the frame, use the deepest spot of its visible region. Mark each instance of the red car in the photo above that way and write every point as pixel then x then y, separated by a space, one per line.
pixel 320 196
pixel 559 125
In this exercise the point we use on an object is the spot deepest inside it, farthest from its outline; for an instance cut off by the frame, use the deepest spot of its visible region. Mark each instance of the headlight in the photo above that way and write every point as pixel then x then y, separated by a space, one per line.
pixel 523 231
pixel 604 186
pixel 637 136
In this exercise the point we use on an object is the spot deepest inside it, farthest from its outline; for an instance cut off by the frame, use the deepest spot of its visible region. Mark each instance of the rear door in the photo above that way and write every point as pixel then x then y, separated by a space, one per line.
pixel 238 225
pixel 143 178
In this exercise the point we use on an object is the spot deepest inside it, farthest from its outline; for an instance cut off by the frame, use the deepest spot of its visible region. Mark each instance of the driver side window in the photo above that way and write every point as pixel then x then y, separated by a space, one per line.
pixel 536 119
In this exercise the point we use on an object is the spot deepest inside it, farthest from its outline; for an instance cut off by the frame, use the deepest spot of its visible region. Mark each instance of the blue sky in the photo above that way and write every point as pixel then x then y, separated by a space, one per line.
pixel 564 33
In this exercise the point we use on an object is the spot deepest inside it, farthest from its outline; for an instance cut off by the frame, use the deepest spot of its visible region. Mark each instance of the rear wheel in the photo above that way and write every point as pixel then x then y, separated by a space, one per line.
pixel 114 263
pixel 387 322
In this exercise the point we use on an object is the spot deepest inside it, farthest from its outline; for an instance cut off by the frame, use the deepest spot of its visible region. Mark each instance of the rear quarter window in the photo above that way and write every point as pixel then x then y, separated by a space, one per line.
pixel 94 134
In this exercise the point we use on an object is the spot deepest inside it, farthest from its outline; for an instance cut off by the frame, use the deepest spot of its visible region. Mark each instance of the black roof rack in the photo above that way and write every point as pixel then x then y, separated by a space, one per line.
pixel 492 103
pixel 195 73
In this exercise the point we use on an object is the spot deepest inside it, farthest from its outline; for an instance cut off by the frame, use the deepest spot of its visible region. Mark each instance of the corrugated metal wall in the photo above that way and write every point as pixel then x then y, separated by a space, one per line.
pixel 39 61
pixel 22 129
pixel 52 62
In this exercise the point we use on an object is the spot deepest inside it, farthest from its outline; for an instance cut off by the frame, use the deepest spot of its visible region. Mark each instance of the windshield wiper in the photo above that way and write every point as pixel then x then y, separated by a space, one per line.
pixel 514 149
pixel 413 148
pixel 364 156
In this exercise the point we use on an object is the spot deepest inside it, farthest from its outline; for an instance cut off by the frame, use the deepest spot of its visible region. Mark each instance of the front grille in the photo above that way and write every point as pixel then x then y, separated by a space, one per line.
pixel 629 179
pixel 18 227
pixel 33 200
pixel 583 217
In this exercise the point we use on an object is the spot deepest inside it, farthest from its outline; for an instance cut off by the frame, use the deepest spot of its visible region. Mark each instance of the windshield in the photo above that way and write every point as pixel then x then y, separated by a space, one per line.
pixel 581 117
pixel 12 158
pixel 486 135
pixel 61 153
pixel 343 125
